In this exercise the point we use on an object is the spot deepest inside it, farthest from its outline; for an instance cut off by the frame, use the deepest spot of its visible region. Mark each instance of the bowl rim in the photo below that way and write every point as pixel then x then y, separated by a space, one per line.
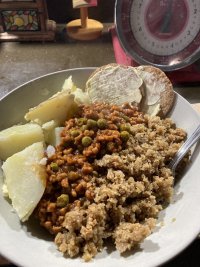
pixel 43 76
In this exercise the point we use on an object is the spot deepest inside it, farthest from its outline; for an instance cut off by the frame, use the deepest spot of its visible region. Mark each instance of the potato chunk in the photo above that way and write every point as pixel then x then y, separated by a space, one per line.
pixel 59 107
pixel 25 179
pixel 52 133
pixel 56 136
pixel 16 138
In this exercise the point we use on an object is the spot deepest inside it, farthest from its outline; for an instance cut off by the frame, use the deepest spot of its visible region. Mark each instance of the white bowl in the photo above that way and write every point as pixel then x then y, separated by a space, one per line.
pixel 29 245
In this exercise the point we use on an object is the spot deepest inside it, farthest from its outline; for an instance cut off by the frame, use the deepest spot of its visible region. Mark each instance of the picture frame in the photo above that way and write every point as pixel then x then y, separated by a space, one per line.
pixel 25 20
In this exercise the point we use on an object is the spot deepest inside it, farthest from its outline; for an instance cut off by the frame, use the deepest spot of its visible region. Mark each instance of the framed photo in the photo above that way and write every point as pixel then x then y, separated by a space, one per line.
pixel 20 20
pixel 25 20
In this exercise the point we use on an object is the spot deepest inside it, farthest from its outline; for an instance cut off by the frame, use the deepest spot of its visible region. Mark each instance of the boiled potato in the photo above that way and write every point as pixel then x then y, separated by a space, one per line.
pixel 52 133
pixel 48 130
pixel 59 107
pixel 68 85
pixel 80 97
pixel 55 137
pixel 17 137
pixel 25 179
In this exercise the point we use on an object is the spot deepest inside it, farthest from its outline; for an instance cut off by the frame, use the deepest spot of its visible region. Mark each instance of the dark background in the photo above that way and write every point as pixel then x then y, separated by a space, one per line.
pixel 61 11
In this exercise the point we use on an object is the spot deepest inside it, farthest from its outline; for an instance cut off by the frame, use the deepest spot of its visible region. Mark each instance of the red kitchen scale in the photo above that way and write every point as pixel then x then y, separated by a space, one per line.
pixel 162 33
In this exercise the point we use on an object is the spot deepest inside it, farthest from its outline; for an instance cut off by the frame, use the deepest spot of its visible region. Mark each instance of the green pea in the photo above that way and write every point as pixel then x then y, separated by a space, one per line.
pixel 102 124
pixel 124 127
pixel 125 136
pixel 75 133
pixel 62 200
pixel 126 118
pixel 91 124
pixel 86 141
pixel 81 121
pixel 54 166
pixel 84 127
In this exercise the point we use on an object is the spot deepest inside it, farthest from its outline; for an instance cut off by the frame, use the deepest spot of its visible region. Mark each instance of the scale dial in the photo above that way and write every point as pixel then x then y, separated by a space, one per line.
pixel 164 33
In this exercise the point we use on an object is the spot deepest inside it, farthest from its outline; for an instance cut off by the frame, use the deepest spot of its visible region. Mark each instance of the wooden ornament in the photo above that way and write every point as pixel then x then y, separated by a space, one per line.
pixel 84 29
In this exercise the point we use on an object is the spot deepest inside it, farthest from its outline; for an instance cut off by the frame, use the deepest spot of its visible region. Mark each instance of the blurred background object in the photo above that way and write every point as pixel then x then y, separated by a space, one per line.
pixel 150 33
pixel 84 3
pixel 62 11
pixel 84 28
pixel 25 21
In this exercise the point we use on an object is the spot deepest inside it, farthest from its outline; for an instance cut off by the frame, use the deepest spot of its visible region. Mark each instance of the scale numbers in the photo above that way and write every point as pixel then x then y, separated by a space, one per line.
pixel 165 27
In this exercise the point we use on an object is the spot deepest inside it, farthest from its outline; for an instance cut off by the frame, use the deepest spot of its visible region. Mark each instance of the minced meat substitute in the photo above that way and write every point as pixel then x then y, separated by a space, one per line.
pixel 108 178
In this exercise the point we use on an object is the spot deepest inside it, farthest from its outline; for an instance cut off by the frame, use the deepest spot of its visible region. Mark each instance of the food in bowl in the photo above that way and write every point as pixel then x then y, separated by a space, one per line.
pixel 107 177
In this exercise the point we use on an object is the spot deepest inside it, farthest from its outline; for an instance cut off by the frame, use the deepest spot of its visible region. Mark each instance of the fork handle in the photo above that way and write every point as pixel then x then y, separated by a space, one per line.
pixel 185 147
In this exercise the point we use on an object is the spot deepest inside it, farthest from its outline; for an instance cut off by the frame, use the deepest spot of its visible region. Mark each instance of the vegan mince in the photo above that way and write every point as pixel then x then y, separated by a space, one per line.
pixel 108 178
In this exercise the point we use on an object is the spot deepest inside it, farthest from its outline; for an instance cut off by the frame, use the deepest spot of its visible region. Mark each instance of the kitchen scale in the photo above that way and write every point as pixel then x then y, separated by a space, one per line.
pixel 163 33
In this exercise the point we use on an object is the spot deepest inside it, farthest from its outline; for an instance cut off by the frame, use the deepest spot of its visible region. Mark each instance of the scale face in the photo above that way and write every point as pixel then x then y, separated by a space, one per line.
pixel 163 33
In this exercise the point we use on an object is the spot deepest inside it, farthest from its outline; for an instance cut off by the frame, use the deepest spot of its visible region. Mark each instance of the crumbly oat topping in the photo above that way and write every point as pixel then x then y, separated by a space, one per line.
pixel 108 179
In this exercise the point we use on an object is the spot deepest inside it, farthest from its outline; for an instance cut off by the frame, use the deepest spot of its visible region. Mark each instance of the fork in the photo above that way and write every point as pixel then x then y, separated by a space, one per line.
pixel 195 136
